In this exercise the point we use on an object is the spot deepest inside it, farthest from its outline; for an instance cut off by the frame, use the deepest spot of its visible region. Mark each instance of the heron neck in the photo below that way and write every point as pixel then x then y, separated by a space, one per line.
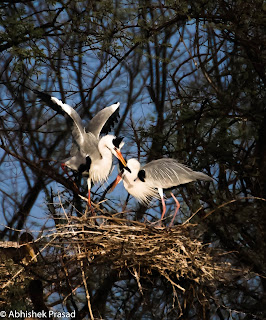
pixel 105 152
pixel 100 168
pixel 130 177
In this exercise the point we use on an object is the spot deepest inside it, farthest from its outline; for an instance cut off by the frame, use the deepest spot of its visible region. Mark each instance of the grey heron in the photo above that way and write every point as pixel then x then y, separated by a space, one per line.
pixel 149 181
pixel 93 156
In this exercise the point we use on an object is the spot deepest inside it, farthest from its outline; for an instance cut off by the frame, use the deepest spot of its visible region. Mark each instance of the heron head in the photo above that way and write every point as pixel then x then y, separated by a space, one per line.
pixel 133 165
pixel 113 144
pixel 118 142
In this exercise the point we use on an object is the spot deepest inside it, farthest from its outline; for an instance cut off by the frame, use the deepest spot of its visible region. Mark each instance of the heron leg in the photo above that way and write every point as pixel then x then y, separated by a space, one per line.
pixel 63 166
pixel 163 203
pixel 89 197
pixel 176 210
pixel 89 202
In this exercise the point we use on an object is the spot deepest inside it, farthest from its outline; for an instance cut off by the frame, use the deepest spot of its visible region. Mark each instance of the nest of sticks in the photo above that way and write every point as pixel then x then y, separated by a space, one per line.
pixel 174 253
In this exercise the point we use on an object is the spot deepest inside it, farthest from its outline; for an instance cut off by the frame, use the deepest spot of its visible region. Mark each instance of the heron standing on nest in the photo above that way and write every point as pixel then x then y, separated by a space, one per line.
pixel 150 181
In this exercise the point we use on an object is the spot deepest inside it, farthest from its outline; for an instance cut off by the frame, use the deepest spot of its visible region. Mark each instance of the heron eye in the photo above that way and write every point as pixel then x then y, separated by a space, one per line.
pixel 115 148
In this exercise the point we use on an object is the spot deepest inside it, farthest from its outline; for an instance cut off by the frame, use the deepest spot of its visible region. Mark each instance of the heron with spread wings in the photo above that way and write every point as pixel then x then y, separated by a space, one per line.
pixel 93 155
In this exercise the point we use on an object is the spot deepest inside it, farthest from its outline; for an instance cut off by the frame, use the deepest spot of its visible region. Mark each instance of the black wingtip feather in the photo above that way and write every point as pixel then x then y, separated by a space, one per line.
pixel 45 97
pixel 111 122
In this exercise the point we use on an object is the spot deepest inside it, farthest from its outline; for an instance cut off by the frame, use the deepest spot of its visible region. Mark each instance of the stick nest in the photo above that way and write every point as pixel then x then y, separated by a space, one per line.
pixel 174 253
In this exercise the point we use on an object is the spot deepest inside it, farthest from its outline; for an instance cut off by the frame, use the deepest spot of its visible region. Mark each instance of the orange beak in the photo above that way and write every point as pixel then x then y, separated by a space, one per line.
pixel 115 182
pixel 121 158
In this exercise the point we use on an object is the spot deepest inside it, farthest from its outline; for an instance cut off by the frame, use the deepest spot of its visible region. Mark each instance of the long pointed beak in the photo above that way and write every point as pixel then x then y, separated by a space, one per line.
pixel 121 158
pixel 115 182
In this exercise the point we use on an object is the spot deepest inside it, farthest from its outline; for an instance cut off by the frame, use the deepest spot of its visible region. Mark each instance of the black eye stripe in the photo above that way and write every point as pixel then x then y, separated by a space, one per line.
pixel 142 175
pixel 117 141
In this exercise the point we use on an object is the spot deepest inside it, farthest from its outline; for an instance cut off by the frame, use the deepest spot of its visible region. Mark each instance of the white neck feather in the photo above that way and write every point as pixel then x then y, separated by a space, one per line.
pixel 100 168
pixel 142 191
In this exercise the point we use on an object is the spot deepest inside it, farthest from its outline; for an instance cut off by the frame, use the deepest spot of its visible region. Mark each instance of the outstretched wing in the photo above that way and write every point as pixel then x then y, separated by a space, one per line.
pixel 104 120
pixel 63 108
pixel 78 129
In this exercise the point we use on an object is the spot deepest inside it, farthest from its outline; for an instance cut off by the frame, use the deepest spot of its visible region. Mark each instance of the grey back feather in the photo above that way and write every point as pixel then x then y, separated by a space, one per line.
pixel 89 145
pixel 167 173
